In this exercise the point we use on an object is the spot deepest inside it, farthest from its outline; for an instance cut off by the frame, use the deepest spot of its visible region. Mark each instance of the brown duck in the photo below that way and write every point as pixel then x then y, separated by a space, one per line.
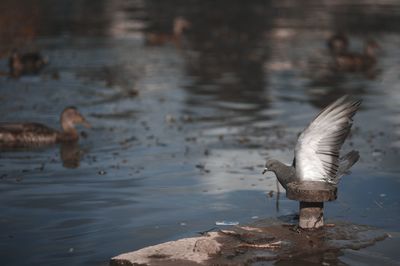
pixel 35 134
pixel 28 63
pixel 357 62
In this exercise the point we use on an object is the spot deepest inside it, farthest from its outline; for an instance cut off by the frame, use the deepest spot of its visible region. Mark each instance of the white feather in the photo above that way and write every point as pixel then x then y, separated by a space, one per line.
pixel 317 149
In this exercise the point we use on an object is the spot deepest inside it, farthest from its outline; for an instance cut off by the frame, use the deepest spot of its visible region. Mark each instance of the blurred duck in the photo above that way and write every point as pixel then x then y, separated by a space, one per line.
pixel 28 63
pixel 353 62
pixel 35 134
pixel 179 26
pixel 345 60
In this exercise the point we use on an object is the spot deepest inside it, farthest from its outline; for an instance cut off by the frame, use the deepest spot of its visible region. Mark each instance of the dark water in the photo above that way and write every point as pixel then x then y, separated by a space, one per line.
pixel 182 126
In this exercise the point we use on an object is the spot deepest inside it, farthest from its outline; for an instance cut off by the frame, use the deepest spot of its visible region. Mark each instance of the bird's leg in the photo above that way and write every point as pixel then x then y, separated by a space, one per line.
pixel 277 195
pixel 277 186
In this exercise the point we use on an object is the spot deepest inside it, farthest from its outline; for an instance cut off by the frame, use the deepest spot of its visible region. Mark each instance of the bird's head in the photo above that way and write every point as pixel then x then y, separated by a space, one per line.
pixel 70 117
pixel 338 43
pixel 270 165
pixel 371 47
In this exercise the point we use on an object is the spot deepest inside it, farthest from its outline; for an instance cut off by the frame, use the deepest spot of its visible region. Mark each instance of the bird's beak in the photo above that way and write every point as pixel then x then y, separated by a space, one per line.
pixel 265 170
pixel 86 124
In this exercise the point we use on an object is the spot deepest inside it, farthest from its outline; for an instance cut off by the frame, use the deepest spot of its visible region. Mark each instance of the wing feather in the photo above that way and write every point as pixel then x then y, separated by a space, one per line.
pixel 318 147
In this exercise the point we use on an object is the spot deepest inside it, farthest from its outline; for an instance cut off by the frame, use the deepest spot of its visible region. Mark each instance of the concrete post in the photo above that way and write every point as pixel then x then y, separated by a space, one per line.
pixel 312 195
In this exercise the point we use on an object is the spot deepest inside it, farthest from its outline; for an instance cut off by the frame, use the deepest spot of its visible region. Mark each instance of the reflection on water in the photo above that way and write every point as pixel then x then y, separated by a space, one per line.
pixel 181 131
pixel 70 154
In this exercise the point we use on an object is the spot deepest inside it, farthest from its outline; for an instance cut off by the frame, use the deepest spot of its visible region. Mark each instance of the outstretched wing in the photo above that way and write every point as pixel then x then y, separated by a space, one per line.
pixel 317 149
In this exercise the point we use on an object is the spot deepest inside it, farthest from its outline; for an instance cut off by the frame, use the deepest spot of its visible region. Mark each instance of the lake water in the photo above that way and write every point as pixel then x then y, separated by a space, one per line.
pixel 182 126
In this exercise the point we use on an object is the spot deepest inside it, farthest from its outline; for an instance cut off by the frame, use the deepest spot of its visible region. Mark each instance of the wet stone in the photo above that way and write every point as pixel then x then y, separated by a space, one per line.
pixel 264 240
pixel 311 215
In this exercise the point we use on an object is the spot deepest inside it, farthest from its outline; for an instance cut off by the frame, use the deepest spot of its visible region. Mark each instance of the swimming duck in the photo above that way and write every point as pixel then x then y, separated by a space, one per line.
pixel 355 62
pixel 35 134
pixel 28 63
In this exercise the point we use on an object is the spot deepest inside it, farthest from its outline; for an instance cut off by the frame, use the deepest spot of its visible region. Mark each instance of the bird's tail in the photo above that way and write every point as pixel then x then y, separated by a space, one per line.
pixel 346 162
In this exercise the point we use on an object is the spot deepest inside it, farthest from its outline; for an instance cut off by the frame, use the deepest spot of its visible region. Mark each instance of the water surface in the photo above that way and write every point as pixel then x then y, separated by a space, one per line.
pixel 183 126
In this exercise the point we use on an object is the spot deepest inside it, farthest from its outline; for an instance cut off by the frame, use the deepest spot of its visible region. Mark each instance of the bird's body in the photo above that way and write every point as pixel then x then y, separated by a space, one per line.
pixel 284 173
pixel 317 152
pixel 25 134
pixel 35 134
pixel 354 62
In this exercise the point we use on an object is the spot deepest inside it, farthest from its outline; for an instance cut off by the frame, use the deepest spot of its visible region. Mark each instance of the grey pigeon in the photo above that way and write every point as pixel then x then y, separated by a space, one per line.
pixel 318 147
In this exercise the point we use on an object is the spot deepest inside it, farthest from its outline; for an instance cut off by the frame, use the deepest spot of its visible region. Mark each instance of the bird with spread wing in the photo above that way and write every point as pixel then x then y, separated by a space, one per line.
pixel 317 152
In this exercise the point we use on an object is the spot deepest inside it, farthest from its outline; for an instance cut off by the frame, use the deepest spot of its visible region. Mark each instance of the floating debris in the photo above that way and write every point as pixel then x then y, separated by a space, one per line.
pixel 378 204
pixel 377 153
pixel 226 223
pixel 187 118
pixel 200 166
pixel 170 119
